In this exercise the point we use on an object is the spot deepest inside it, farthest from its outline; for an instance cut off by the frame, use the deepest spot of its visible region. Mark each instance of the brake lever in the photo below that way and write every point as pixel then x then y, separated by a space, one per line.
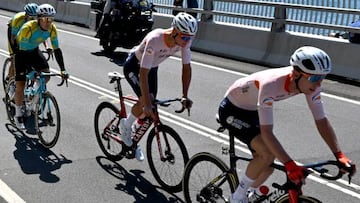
pixel 351 172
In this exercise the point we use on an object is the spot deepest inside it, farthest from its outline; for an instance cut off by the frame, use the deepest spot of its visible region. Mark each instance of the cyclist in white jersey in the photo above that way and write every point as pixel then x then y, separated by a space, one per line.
pixel 141 66
pixel 247 112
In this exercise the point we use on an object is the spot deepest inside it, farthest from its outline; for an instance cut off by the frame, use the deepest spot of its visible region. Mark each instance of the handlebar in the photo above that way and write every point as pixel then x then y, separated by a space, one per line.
pixel 47 54
pixel 319 168
pixel 40 74
pixel 166 103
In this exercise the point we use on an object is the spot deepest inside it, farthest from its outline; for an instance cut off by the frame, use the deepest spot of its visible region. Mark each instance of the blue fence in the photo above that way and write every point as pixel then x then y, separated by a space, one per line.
pixel 298 13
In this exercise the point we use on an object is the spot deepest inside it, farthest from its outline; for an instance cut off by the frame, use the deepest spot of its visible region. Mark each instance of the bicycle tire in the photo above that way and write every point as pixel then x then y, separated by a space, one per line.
pixel 205 179
pixel 5 72
pixel 106 112
pixel 167 173
pixel 302 199
pixel 9 103
pixel 47 120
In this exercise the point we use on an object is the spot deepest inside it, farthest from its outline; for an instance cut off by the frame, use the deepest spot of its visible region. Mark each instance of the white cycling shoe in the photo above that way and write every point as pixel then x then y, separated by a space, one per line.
pixel 19 123
pixel 243 200
pixel 125 133
pixel 139 155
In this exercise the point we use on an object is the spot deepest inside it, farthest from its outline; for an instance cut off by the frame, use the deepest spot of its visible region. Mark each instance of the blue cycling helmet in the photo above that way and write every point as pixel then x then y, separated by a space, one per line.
pixel 30 9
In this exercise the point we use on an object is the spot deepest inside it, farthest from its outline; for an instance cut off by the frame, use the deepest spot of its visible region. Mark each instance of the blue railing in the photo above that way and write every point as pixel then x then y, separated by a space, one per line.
pixel 319 17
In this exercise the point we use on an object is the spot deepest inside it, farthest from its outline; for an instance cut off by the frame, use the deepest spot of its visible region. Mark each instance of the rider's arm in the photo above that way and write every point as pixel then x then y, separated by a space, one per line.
pixel 327 133
pixel 59 58
pixel 273 144
pixel 186 79
pixel 144 87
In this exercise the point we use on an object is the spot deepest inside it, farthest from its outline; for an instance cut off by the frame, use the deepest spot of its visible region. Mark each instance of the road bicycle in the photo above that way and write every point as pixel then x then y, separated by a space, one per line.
pixel 207 179
pixel 42 115
pixel 166 152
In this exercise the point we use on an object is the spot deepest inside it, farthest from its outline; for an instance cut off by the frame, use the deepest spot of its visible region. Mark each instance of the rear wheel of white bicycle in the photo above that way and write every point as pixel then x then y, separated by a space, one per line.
pixel 302 199
pixel 208 179
pixel 106 124
pixel 9 102
pixel 168 171
pixel 5 72
pixel 47 120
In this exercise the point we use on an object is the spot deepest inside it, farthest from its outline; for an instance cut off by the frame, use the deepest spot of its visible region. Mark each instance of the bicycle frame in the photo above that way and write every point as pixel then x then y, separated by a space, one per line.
pixel 148 121
pixel 40 77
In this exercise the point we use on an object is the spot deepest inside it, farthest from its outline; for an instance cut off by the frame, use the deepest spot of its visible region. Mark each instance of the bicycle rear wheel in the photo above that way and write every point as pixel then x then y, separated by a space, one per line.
pixel 5 72
pixel 9 102
pixel 106 125
pixel 168 171
pixel 302 199
pixel 207 179
pixel 47 120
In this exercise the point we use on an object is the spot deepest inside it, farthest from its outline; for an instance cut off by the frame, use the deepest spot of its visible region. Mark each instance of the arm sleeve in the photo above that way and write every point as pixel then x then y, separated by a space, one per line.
pixel 186 54
pixel 148 55
pixel 315 104
pixel 59 58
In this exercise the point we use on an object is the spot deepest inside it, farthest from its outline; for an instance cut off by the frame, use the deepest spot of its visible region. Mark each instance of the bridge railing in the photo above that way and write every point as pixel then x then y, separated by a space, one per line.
pixel 319 17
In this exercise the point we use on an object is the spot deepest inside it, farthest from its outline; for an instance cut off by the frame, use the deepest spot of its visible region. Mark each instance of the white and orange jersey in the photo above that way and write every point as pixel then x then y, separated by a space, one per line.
pixel 153 50
pixel 260 90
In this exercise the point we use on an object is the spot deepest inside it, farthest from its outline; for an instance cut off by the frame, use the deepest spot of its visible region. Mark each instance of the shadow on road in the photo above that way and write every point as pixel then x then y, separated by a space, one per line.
pixel 117 57
pixel 33 158
pixel 133 183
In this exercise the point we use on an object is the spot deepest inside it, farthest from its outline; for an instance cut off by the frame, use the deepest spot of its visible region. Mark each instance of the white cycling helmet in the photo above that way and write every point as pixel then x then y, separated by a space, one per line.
pixel 30 9
pixel 185 23
pixel 311 60
pixel 46 10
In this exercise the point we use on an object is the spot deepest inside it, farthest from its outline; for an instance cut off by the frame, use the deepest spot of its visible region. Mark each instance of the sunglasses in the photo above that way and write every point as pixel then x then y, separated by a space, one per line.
pixel 186 38
pixel 32 17
pixel 313 78
pixel 47 19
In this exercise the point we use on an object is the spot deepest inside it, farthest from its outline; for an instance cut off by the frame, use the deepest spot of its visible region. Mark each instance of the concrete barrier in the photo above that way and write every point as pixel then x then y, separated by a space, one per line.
pixel 249 44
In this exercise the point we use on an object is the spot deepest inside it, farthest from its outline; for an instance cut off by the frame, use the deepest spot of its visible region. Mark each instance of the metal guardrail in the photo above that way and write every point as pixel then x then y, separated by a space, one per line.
pixel 321 19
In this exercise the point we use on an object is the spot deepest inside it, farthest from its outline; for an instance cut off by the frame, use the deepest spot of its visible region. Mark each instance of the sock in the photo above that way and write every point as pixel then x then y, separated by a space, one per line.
pixel 244 183
pixel 130 120
pixel 19 111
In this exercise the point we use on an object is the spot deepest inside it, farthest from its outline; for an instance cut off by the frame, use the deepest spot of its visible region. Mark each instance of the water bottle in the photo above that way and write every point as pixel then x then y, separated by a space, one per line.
pixel 259 194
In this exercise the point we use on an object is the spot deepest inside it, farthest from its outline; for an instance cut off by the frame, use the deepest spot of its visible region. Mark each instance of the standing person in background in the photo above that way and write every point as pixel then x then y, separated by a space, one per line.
pixel 29 56
pixel 141 66
pixel 247 112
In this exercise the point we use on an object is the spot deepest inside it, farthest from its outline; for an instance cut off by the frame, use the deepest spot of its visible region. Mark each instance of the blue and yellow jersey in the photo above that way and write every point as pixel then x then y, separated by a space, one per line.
pixel 17 21
pixel 31 36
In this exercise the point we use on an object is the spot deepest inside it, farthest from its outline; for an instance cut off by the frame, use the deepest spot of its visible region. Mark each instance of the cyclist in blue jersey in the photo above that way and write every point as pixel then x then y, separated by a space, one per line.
pixel 29 56
pixel 14 25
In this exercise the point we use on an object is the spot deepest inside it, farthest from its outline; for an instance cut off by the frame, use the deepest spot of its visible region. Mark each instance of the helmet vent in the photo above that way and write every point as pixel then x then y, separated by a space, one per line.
pixel 308 64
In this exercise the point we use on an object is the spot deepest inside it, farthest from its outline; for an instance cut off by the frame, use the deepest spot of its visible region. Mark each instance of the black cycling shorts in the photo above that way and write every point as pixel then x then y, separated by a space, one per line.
pixel 25 61
pixel 131 72
pixel 242 124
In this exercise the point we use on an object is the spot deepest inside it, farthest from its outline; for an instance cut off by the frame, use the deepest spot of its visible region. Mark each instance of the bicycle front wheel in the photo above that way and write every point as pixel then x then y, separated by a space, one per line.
pixel 302 199
pixel 208 179
pixel 47 120
pixel 5 72
pixel 167 157
pixel 106 125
